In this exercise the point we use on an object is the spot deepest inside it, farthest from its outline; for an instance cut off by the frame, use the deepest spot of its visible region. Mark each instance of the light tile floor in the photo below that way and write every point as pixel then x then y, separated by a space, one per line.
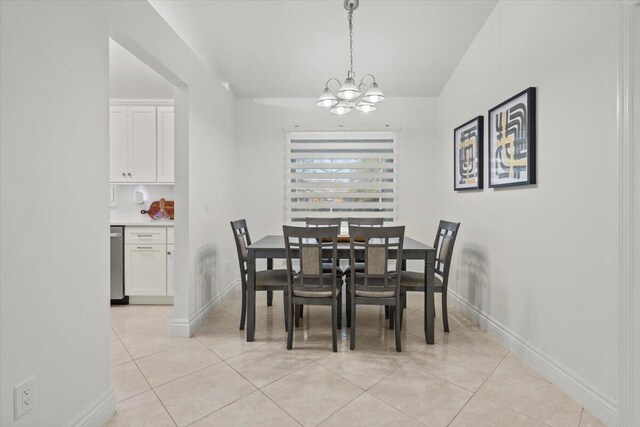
pixel 218 379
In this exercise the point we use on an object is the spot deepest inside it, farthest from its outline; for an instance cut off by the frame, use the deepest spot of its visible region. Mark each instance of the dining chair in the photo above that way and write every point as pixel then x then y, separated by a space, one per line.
pixel 311 285
pixel 325 222
pixel 326 263
pixel 377 284
pixel 266 280
pixel 361 222
pixel 364 222
pixel 415 281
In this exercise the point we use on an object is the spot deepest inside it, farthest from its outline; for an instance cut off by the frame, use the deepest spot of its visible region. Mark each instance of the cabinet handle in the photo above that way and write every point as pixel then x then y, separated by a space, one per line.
pixel 115 234
pixel 144 247
pixel 124 174
pixel 169 253
pixel 144 235
pixel 129 174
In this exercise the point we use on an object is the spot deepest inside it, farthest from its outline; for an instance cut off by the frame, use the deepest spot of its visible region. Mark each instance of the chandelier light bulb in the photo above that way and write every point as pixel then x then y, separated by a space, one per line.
pixel 373 94
pixel 365 107
pixel 327 99
pixel 341 108
pixel 348 90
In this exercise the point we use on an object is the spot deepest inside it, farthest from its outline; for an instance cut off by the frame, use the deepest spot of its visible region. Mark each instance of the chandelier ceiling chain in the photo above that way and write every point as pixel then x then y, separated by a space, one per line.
pixel 362 97
pixel 352 75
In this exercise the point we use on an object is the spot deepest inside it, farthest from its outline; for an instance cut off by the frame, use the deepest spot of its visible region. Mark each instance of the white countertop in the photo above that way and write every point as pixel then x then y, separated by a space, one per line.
pixel 139 220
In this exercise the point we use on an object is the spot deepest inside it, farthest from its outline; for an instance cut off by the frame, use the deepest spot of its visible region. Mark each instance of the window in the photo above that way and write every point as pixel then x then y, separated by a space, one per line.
pixel 331 174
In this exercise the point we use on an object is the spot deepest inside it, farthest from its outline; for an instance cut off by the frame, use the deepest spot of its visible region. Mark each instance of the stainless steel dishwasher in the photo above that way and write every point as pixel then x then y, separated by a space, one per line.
pixel 117 265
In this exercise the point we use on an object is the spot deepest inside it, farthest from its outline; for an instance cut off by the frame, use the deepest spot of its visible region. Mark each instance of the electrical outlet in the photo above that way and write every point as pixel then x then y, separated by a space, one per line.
pixel 23 397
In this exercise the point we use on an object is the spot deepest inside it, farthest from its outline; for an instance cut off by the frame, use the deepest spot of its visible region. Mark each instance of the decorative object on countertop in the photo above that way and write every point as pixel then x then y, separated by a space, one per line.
pixel 160 210
pixel 138 197
pixel 467 155
pixel 362 97
pixel 512 141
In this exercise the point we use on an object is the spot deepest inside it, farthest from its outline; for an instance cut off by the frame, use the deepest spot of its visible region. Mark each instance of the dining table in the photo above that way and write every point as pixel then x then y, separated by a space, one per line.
pixel 273 247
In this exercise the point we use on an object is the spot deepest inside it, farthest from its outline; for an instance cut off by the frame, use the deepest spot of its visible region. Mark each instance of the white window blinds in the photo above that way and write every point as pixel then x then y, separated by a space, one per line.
pixel 344 175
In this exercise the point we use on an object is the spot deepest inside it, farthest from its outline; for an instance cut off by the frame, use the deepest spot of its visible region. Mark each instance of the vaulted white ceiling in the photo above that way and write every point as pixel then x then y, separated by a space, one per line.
pixel 282 49
pixel 131 78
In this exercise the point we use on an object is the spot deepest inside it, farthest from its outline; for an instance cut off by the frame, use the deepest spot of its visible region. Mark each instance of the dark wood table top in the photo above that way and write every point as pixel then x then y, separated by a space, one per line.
pixel 272 246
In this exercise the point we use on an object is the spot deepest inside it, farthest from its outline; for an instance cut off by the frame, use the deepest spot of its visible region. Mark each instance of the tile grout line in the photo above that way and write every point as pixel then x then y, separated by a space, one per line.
pixel 498 403
pixel 159 351
pixel 428 373
pixel 152 388
pixel 390 405
pixel 478 389
pixel 269 339
pixel 365 390
pixel 505 406
pixel 340 408
pixel 139 332
pixel 281 408
pixel 176 379
pixel 165 408
pixel 258 389
pixel 156 394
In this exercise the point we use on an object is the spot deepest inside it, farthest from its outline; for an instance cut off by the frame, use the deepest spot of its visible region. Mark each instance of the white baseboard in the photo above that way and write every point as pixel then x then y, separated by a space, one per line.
pixel 151 300
pixel 598 403
pixel 185 328
pixel 98 412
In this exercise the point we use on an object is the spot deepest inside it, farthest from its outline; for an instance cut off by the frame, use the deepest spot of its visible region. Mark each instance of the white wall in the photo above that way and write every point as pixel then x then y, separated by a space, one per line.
pixel 542 261
pixel 635 79
pixel 54 215
pixel 261 125
pixel 55 248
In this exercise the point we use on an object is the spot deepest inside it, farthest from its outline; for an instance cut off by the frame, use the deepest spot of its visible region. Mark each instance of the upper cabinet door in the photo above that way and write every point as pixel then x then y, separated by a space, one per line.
pixel 142 144
pixel 165 144
pixel 118 144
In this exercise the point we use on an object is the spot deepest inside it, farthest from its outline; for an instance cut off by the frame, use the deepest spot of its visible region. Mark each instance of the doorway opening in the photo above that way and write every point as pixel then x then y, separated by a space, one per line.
pixel 142 192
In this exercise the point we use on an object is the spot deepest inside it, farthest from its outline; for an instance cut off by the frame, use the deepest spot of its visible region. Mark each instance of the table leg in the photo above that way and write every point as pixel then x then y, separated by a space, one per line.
pixel 269 293
pixel 251 296
pixel 429 306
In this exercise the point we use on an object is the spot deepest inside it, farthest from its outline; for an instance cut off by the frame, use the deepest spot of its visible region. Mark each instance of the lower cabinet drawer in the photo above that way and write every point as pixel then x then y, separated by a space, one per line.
pixel 145 267
pixel 145 235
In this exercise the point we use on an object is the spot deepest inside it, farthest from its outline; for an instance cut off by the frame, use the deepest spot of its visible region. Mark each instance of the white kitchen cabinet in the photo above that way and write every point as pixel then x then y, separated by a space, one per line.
pixel 141 141
pixel 165 134
pixel 145 269
pixel 170 249
pixel 118 145
pixel 142 144
pixel 148 265
pixel 132 142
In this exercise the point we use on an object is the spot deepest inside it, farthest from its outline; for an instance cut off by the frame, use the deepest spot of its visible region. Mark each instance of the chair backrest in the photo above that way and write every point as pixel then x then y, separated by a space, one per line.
pixel 323 222
pixel 381 245
pixel 445 239
pixel 310 245
pixel 243 240
pixel 372 222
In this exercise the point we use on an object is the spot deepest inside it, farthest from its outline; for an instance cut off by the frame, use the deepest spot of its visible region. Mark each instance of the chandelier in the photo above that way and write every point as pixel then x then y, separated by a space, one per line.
pixel 362 97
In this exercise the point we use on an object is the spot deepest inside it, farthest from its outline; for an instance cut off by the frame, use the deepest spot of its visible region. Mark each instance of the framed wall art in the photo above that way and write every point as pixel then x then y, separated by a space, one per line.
pixel 467 155
pixel 512 141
